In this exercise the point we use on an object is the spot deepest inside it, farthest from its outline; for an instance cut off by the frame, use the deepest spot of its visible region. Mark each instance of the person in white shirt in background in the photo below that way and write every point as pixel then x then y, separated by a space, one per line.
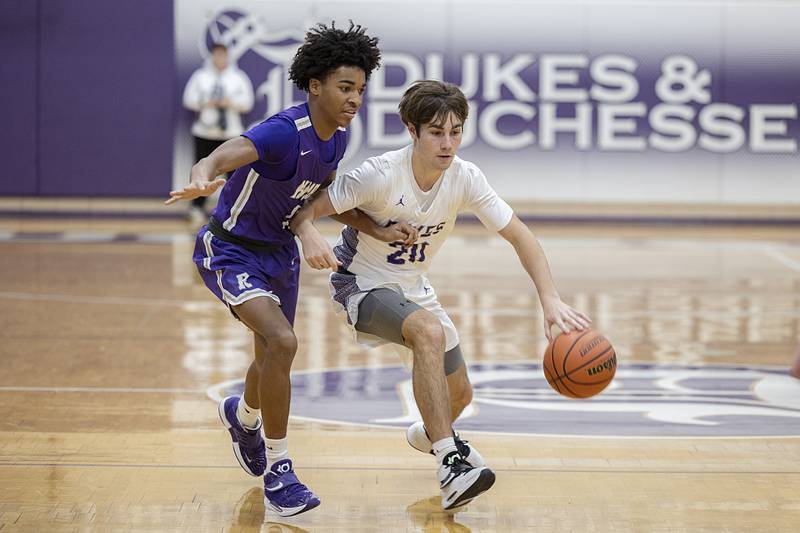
pixel 382 288
pixel 219 93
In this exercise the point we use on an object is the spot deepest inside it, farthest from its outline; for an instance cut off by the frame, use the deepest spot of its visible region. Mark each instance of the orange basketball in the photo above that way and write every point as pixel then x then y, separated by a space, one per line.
pixel 579 364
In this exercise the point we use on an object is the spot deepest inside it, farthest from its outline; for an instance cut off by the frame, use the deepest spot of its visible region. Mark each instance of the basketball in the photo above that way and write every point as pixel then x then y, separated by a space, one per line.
pixel 579 364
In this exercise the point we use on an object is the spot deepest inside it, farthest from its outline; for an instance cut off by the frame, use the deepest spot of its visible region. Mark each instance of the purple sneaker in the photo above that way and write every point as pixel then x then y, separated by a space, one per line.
pixel 248 444
pixel 283 492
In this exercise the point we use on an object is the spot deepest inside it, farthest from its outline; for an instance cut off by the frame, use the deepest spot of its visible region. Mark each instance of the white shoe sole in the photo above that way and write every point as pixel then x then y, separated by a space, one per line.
pixel 482 483
pixel 286 511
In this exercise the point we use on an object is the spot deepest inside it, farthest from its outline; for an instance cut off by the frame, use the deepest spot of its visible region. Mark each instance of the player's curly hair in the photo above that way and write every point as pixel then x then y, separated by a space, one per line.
pixel 328 48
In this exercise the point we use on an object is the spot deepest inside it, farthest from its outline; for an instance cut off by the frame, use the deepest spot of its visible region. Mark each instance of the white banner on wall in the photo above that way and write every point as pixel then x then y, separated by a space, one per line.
pixel 667 102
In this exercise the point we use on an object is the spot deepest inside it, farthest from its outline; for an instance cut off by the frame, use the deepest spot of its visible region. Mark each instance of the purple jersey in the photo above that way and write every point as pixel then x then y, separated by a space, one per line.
pixel 258 201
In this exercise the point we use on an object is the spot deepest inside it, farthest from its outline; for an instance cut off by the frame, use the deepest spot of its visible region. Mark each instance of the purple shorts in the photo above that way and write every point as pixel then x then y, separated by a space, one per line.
pixel 236 274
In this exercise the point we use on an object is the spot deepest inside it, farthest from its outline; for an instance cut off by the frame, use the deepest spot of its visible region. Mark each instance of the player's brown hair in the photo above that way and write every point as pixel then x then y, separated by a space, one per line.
pixel 430 102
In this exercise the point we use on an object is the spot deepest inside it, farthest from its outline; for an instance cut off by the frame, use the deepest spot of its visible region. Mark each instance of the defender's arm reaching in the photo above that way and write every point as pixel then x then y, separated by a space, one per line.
pixel 232 154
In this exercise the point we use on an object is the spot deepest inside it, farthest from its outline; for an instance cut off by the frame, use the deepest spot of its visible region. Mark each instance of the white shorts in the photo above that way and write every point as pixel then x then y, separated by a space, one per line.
pixel 348 290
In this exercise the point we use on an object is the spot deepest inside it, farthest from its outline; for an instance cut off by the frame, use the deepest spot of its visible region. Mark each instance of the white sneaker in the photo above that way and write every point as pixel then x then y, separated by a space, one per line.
pixel 461 483
pixel 417 437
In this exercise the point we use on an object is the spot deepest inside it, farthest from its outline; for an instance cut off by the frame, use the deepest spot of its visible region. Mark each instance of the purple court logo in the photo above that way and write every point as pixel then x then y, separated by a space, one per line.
pixel 644 400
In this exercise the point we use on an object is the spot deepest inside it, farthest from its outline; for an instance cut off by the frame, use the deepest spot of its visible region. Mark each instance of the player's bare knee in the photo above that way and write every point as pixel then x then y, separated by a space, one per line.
pixel 423 330
pixel 282 346
pixel 285 343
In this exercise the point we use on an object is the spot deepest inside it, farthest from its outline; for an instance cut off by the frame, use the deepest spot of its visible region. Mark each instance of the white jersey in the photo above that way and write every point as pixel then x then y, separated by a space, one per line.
pixel 384 188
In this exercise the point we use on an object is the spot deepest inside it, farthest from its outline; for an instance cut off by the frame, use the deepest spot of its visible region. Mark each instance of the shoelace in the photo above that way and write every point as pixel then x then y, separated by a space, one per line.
pixel 250 440
pixel 292 486
pixel 459 466
pixel 462 446
pixel 295 489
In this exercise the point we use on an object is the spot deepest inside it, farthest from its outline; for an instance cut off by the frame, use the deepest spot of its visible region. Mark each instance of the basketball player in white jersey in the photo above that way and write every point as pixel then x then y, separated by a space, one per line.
pixel 382 288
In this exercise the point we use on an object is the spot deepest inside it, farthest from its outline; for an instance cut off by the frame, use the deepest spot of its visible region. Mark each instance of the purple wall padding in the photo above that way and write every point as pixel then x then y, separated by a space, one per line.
pixel 107 98
pixel 18 38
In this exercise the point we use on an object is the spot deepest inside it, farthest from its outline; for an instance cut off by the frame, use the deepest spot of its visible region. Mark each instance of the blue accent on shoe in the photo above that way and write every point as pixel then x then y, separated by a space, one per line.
pixel 248 444
pixel 283 492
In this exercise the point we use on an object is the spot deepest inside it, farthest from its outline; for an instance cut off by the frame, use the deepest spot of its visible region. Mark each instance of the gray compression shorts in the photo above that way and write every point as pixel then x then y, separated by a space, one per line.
pixel 382 313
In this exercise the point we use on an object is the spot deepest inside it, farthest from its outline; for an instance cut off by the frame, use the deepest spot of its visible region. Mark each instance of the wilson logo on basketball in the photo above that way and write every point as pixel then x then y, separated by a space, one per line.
pixel 610 364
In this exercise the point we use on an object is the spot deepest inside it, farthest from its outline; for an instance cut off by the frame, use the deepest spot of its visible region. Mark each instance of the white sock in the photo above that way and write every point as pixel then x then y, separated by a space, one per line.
pixel 248 416
pixel 442 447
pixel 277 449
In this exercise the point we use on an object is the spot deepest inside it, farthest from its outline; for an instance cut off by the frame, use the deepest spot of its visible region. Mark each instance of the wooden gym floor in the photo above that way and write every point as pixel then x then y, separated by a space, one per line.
pixel 110 344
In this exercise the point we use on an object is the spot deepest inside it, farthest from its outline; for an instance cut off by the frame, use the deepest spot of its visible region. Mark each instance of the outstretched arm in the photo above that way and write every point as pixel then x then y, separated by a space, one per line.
pixel 230 155
pixel 534 261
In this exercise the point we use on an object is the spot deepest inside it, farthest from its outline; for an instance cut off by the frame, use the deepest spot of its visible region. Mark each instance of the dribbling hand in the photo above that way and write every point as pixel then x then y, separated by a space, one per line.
pixel 563 316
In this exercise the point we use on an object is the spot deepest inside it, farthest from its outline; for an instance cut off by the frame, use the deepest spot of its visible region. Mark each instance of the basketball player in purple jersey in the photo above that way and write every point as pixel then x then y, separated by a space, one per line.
pixel 248 257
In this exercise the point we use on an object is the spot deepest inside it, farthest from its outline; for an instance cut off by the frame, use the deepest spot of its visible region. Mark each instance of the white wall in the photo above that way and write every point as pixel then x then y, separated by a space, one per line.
pixel 637 139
